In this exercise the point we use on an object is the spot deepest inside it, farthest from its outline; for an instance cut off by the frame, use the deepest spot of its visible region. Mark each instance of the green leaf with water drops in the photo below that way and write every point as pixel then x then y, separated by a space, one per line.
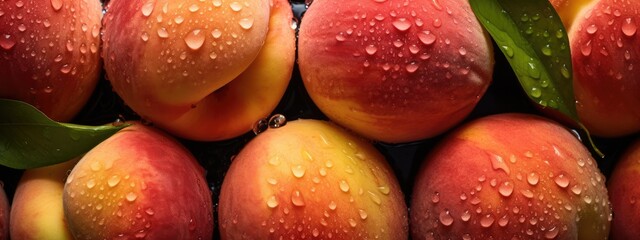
pixel 531 36
pixel 29 139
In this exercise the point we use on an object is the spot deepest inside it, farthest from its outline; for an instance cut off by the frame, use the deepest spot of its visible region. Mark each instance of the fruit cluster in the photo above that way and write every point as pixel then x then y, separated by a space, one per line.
pixel 405 122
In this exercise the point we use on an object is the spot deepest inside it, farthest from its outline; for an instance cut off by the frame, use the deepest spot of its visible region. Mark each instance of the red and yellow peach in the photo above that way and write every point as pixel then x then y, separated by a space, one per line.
pixel 510 176
pixel 139 183
pixel 394 71
pixel 49 53
pixel 311 179
pixel 200 70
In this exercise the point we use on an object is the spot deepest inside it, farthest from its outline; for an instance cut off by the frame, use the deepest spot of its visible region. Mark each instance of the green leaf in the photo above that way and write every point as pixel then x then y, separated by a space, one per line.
pixel 531 36
pixel 29 139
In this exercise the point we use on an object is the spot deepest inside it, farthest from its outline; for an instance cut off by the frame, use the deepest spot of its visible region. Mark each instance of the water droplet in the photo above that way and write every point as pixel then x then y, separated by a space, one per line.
pixel 91 183
pixel 195 39
pixel 56 4
pixel 344 186
pixel 585 49
pixel 298 171
pixel 22 27
pixel 562 181
pixel 552 233
pixel 66 68
pixel 445 218
pixel 333 205
pixel 498 163
pixel 19 4
pixel 426 37
pixel 564 71
pixel 246 23
pixel 162 33
pixel 297 199
pixel 412 67
pixel 462 51
pixel 437 23
pixel 629 28
pixel 507 50
pixel 217 3
pixel 384 190
pixel 527 193
pixel 216 33
pixel 505 189
pixel 487 220
pixel 113 180
pixel 466 215
pixel 591 29
pixel 131 196
pixel 235 6
pixel 536 92
pixel 402 24
pixel 371 49
pixel 277 120
pixel 147 8
pixel 546 50
pixel 144 36
pixel 503 221
pixel 576 189
pixel 213 55
pixel 272 202
pixel 352 222
pixel 194 8
pixel 340 37
pixel 363 214
pixel 6 42
pixel 436 197
pixel 533 178
pixel 178 19
pixel 150 211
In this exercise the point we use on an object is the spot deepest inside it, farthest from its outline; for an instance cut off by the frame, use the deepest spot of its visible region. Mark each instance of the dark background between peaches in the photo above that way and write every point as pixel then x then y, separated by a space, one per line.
pixel 503 95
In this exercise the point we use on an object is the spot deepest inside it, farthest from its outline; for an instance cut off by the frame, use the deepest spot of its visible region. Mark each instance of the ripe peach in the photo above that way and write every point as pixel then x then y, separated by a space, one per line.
pixel 49 53
pixel 138 183
pixel 200 70
pixel 37 204
pixel 311 179
pixel 605 49
pixel 624 194
pixel 394 71
pixel 510 176
pixel 4 214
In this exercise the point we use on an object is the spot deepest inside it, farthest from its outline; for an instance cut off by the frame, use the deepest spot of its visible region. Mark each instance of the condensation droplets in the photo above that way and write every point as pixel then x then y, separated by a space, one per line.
pixel 195 39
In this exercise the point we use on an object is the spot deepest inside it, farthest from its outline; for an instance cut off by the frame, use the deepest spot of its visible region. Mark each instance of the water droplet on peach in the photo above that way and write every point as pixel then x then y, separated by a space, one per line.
pixel 562 181
pixel 56 4
pixel 246 23
pixel 297 199
pixel 629 28
pixel 426 37
pixel 445 218
pixel 487 220
pixel 131 196
pixel 235 6
pixel 344 186
pixel 505 189
pixel 298 171
pixel 272 202
pixel 147 8
pixel 113 181
pixel 195 39
pixel 402 24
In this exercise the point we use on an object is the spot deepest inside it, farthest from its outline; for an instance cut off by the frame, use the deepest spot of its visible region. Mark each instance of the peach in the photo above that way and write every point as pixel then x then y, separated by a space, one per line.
pixel 624 194
pixel 37 203
pixel 139 183
pixel 605 50
pixel 311 179
pixel 49 53
pixel 510 176
pixel 200 70
pixel 4 214
pixel 394 71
